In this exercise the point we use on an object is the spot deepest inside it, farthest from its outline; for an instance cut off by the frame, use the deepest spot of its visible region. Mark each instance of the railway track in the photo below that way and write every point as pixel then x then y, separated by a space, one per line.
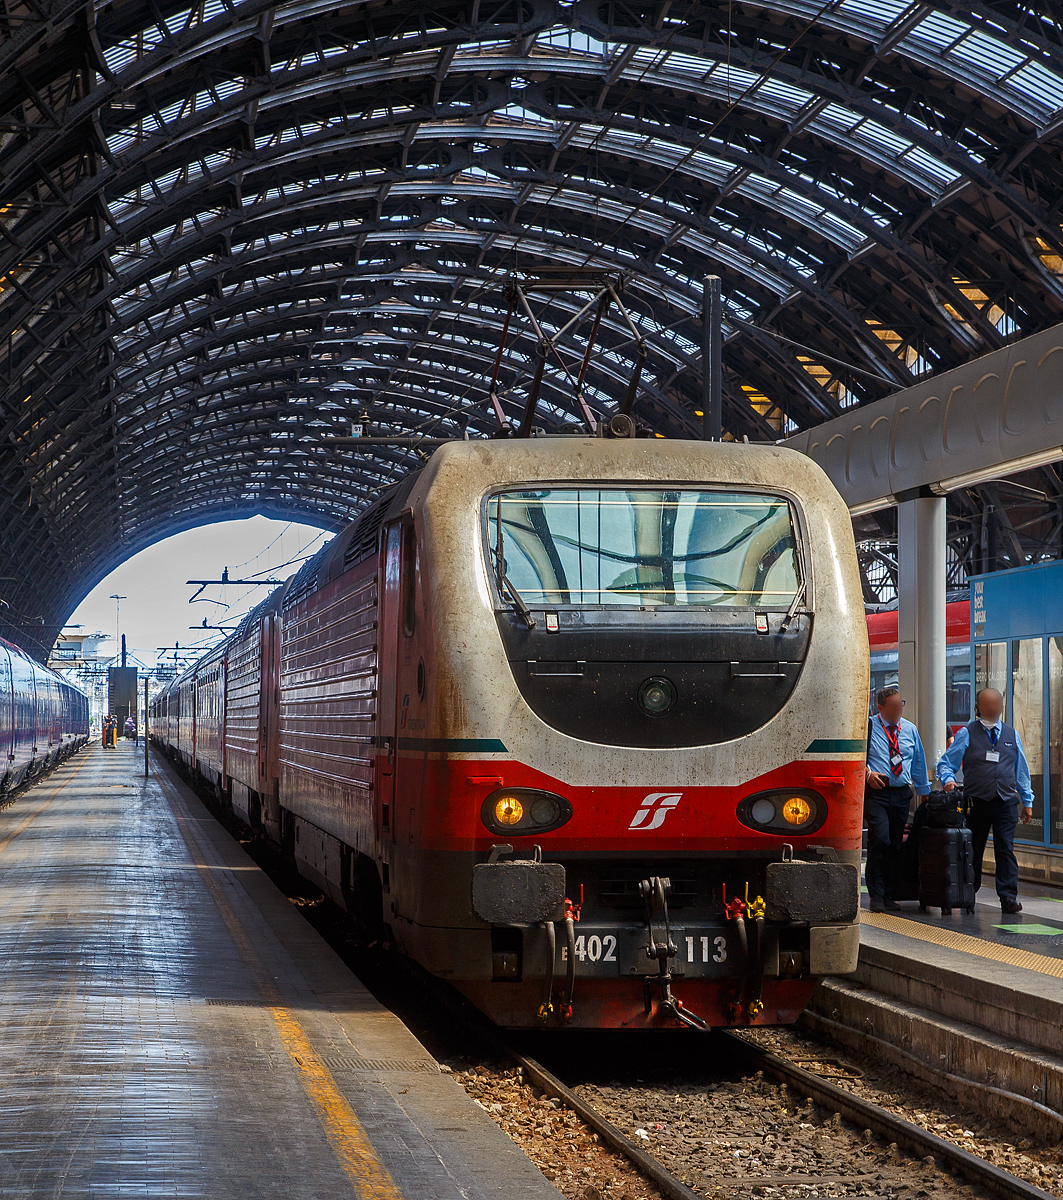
pixel 865 1115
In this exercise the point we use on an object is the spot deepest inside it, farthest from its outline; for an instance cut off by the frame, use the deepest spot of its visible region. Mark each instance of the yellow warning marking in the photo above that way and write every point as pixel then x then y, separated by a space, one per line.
pixel 963 941
pixel 342 1128
pixel 349 1141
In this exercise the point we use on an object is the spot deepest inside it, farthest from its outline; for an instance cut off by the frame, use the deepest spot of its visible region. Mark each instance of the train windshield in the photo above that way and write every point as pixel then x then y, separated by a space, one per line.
pixel 598 546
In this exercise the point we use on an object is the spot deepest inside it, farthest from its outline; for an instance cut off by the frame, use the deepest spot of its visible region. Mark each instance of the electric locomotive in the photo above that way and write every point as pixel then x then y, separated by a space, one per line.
pixel 580 722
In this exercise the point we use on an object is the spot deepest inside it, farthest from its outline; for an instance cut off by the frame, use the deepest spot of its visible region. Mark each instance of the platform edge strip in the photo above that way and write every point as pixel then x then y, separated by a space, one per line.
pixel 963 942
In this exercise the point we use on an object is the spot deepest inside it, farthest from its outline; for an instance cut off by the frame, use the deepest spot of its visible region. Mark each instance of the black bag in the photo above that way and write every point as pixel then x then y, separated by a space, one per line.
pixel 946 810
pixel 907 883
pixel 946 870
pixel 906 886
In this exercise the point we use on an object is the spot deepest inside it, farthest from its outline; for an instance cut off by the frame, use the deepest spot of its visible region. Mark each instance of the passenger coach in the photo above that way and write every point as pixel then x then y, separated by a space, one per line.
pixel 579 721
pixel 43 718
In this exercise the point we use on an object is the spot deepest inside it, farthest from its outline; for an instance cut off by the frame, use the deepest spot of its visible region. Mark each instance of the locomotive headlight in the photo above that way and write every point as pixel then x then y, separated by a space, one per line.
pixel 763 811
pixel 797 810
pixel 508 810
pixel 524 810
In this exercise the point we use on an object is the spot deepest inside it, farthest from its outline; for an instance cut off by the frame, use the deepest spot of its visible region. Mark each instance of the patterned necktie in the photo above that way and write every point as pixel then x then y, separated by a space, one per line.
pixel 895 747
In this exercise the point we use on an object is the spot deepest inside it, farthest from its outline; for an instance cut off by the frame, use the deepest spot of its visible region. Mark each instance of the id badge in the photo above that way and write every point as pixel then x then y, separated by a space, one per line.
pixel 896 758
pixel 992 756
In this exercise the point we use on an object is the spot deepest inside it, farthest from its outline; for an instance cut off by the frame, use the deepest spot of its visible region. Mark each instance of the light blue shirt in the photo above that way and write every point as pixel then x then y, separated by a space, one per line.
pixel 913 766
pixel 953 757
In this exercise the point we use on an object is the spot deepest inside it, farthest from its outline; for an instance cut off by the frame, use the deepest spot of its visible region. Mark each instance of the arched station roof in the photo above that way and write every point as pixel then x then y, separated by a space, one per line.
pixel 228 229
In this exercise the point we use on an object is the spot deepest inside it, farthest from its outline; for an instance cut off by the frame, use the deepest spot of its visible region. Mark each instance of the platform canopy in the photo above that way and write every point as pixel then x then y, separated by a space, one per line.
pixel 230 229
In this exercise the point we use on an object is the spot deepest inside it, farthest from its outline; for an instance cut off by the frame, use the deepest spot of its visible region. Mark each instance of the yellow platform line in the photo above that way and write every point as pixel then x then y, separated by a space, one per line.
pixel 949 938
pixel 354 1151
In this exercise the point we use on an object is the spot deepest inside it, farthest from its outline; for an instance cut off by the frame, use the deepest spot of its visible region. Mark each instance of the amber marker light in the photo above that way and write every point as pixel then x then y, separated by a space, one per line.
pixel 508 810
pixel 797 810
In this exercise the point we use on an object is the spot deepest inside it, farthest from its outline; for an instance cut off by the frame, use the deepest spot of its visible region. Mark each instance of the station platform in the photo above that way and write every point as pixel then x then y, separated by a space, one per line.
pixel 171 1026
pixel 969 1002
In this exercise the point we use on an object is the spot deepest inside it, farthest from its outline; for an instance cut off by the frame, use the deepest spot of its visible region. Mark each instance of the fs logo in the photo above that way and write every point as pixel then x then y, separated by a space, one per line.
pixel 653 810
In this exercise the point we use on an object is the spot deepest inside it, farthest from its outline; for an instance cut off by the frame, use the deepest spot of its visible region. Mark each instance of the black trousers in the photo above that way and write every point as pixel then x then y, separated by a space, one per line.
pixel 886 813
pixel 1002 816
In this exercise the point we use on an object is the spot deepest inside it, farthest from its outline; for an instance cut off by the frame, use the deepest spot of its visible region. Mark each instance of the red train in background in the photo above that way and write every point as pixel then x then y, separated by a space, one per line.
pixel 43 718
pixel 579 722
pixel 882 636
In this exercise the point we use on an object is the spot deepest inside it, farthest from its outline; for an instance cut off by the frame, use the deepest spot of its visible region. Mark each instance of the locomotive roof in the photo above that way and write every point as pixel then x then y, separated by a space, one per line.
pixel 352 545
pixel 476 466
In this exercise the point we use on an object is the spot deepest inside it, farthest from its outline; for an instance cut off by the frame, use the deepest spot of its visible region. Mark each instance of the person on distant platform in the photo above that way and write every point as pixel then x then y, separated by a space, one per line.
pixel 896 763
pixel 996 778
pixel 131 729
pixel 110 731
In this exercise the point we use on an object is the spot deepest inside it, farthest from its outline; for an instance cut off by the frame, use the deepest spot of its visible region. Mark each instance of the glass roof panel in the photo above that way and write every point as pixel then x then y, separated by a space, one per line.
pixel 1040 84
pixel 989 53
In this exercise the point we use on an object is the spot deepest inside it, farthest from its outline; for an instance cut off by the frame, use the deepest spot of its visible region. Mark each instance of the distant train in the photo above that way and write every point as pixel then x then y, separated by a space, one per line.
pixel 578 723
pixel 885 664
pixel 43 718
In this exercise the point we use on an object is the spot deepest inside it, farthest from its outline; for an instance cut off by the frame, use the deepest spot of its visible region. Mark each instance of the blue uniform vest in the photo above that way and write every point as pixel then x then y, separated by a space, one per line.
pixel 987 780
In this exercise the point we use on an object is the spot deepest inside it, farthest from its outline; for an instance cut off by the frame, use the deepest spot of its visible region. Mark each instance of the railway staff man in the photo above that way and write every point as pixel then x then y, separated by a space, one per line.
pixel 896 762
pixel 996 776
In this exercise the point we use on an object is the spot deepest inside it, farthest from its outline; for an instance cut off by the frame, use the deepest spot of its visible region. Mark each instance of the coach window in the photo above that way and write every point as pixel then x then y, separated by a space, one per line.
pixel 409 578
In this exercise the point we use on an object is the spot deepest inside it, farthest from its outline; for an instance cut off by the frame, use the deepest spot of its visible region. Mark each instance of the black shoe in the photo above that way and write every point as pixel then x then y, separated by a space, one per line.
pixel 1010 906
pixel 893 906
pixel 877 904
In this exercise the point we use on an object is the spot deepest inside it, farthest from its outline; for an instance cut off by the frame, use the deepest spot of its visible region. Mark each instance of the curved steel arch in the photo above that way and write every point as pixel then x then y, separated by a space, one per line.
pixel 227 229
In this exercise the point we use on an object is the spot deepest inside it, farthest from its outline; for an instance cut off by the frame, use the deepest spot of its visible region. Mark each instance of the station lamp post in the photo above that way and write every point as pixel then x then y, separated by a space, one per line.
pixel 117 609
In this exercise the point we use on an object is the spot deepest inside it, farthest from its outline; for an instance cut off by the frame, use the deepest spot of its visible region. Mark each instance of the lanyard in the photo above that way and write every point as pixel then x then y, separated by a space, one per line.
pixel 894 739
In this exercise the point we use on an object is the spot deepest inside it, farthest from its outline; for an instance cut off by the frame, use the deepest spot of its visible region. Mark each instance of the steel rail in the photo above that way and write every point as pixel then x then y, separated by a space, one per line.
pixel 912 1137
pixel 646 1164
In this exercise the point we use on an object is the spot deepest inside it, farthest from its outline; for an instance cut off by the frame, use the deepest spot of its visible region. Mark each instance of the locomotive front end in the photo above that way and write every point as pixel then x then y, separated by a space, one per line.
pixel 662 650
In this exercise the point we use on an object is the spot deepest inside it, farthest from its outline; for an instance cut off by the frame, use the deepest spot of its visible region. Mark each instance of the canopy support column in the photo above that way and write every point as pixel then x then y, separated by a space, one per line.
pixel 921 617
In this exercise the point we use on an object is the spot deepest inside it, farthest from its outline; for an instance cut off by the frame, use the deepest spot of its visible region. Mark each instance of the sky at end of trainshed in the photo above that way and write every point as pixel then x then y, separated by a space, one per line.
pixel 155 609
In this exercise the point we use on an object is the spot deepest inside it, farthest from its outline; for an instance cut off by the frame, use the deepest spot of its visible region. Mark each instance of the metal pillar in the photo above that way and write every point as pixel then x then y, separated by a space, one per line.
pixel 711 360
pixel 921 618
pixel 146 727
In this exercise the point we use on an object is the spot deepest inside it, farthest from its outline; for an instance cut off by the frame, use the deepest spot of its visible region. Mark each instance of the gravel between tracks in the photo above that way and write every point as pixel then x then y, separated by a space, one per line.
pixel 728 1136
pixel 556 1140
pixel 908 1097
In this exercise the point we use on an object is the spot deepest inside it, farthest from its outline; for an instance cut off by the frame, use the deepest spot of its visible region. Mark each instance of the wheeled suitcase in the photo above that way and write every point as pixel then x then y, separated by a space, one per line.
pixel 946 870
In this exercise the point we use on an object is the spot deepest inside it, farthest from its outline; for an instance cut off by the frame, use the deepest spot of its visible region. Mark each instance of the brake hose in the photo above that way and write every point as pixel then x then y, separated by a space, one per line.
pixel 547 1006
pixel 570 980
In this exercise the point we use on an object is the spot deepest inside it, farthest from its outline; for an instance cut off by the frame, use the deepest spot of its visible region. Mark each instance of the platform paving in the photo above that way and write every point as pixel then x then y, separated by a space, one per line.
pixel 170 1025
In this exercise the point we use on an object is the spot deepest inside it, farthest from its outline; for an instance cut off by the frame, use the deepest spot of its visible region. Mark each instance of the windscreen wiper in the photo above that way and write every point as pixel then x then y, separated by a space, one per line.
pixel 502 580
pixel 799 595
